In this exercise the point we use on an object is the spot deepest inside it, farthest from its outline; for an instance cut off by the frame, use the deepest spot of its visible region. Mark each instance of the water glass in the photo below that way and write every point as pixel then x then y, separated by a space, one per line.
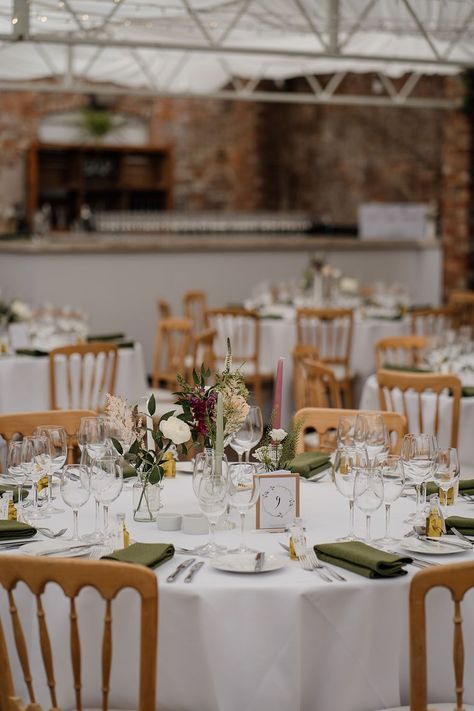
pixel 36 462
pixel 93 434
pixel 346 463
pixel 249 433
pixel 368 494
pixel 15 466
pixel 211 488
pixel 446 471
pixel 418 457
pixel 106 483
pixel 393 475
pixel 377 439
pixel 244 490
pixel 57 437
pixel 75 492
pixel 345 431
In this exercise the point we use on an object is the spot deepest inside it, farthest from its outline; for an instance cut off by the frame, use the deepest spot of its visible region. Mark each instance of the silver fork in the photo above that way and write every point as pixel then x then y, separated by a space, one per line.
pixel 307 564
pixel 317 563
pixel 52 534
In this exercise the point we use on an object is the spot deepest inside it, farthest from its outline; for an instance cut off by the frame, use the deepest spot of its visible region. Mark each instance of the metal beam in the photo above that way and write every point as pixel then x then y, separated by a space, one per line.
pixel 21 19
pixel 231 95
pixel 165 45
pixel 333 26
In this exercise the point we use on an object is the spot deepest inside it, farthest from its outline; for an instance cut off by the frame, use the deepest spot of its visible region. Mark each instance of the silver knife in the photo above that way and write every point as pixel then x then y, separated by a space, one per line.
pixel 461 536
pixel 193 571
pixel 259 560
pixel 182 566
pixel 452 544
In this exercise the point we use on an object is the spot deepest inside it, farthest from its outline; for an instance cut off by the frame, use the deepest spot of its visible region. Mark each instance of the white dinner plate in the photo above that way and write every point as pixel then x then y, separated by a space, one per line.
pixel 184 467
pixel 245 563
pixel 61 548
pixel 430 547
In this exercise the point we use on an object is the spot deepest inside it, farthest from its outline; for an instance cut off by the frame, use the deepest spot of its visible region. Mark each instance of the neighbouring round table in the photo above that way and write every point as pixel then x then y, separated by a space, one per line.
pixel 279 641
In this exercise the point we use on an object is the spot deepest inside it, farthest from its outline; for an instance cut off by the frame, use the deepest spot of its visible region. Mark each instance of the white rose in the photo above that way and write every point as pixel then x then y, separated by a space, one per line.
pixel 278 435
pixel 176 430
pixel 20 310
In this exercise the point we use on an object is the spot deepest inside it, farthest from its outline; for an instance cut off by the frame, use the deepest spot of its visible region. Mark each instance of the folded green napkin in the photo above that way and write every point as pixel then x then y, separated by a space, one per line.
pixel 35 352
pixel 406 368
pixel 15 529
pixel 363 559
pixel 272 317
pixel 462 523
pixel 468 391
pixel 465 485
pixel 14 489
pixel 106 337
pixel 125 344
pixel 150 554
pixel 307 464
pixel 128 471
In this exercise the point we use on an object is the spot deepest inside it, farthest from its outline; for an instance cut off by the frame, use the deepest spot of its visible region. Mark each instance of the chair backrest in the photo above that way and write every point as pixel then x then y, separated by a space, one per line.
pixel 413 395
pixel 458 578
pixel 108 579
pixel 242 327
pixel 164 308
pixel 432 321
pixel 400 350
pixel 300 353
pixel 82 375
pixel 203 350
pixel 463 303
pixel 194 308
pixel 25 423
pixel 322 389
pixel 324 421
pixel 172 343
pixel 329 330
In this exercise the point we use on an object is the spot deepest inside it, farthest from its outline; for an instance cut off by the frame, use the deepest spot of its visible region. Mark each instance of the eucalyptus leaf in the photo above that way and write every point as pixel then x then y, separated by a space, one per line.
pixel 135 447
pixel 151 405
pixel 117 445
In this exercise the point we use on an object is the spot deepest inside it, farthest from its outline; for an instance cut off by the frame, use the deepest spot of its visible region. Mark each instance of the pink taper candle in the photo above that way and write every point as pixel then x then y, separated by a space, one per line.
pixel 278 393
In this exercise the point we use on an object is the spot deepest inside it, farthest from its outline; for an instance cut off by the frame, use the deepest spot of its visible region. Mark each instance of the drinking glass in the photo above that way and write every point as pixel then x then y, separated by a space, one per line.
pixel 345 431
pixel 393 475
pixel 211 487
pixel 75 492
pixel 244 490
pixel 368 494
pixel 97 535
pixel 446 471
pixel 57 437
pixel 418 458
pixel 377 440
pixel 106 484
pixel 93 434
pixel 346 464
pixel 36 461
pixel 15 466
pixel 361 428
pixel 256 418
pixel 249 433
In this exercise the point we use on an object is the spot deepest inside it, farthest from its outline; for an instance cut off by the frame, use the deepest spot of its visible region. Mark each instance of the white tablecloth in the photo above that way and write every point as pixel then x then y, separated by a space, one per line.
pixel 24 380
pixel 278 337
pixel 370 401
pixel 281 641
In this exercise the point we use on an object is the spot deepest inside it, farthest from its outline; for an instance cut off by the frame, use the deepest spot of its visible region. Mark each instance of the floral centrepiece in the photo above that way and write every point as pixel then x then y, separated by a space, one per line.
pixel 278 448
pixel 14 311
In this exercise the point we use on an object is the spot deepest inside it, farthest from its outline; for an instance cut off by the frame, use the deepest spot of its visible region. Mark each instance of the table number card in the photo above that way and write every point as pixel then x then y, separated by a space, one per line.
pixel 279 500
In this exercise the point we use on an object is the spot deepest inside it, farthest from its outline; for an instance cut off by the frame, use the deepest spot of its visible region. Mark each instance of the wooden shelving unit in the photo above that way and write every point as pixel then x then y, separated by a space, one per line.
pixel 104 177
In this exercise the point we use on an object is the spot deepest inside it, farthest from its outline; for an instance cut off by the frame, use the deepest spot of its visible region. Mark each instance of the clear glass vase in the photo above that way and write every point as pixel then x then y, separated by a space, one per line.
pixel 146 499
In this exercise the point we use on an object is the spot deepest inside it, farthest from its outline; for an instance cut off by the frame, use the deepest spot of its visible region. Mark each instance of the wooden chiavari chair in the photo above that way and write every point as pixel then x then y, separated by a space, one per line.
pixel 458 579
pixel 432 321
pixel 412 393
pixel 242 327
pixel 82 375
pixel 194 308
pixel 203 350
pixel 25 423
pixel 108 578
pixel 173 338
pixel 404 351
pixel 324 422
pixel 164 308
pixel 330 331
pixel 322 388
pixel 300 353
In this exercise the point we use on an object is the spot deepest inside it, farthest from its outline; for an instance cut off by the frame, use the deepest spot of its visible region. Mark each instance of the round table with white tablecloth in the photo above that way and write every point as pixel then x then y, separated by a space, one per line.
pixel 278 337
pixel 277 641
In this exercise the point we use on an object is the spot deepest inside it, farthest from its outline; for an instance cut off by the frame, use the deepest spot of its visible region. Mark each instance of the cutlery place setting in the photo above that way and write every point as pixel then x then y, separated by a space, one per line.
pixel 190 564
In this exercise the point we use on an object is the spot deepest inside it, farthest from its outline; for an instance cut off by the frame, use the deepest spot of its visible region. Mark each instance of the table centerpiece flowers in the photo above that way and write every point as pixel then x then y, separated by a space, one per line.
pixel 144 448
pixel 278 448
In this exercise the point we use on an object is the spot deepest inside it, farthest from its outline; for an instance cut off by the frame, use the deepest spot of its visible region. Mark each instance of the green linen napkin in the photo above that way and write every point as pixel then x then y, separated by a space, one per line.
pixel 106 337
pixel 35 352
pixel 462 523
pixel 307 464
pixel 15 529
pixel 363 559
pixel 468 391
pixel 466 486
pixel 14 489
pixel 272 317
pixel 150 554
pixel 406 368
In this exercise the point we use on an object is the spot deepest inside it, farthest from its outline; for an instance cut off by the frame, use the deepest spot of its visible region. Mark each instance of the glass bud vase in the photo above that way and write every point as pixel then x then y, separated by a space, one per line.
pixel 146 499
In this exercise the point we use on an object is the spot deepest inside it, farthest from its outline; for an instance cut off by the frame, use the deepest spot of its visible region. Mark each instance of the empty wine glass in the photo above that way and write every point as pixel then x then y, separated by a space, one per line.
pixel 15 466
pixel 249 433
pixel 244 490
pixel 212 487
pixel 57 437
pixel 393 475
pixel 345 431
pixel 75 492
pixel 106 483
pixel 376 438
pixel 361 427
pixel 368 494
pixel 346 463
pixel 97 535
pixel 93 434
pixel 446 471
pixel 418 457
pixel 256 418
pixel 36 461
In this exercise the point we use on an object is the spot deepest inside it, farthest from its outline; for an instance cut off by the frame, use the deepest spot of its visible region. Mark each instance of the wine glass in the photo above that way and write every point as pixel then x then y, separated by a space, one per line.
pixel 93 434
pixel 97 535
pixel 256 418
pixel 361 429
pixel 36 461
pixel 446 471
pixel 393 475
pixel 106 483
pixel 346 463
pixel 418 457
pixel 212 487
pixel 57 437
pixel 368 493
pixel 244 490
pixel 377 440
pixel 345 431
pixel 249 433
pixel 15 466
pixel 75 492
